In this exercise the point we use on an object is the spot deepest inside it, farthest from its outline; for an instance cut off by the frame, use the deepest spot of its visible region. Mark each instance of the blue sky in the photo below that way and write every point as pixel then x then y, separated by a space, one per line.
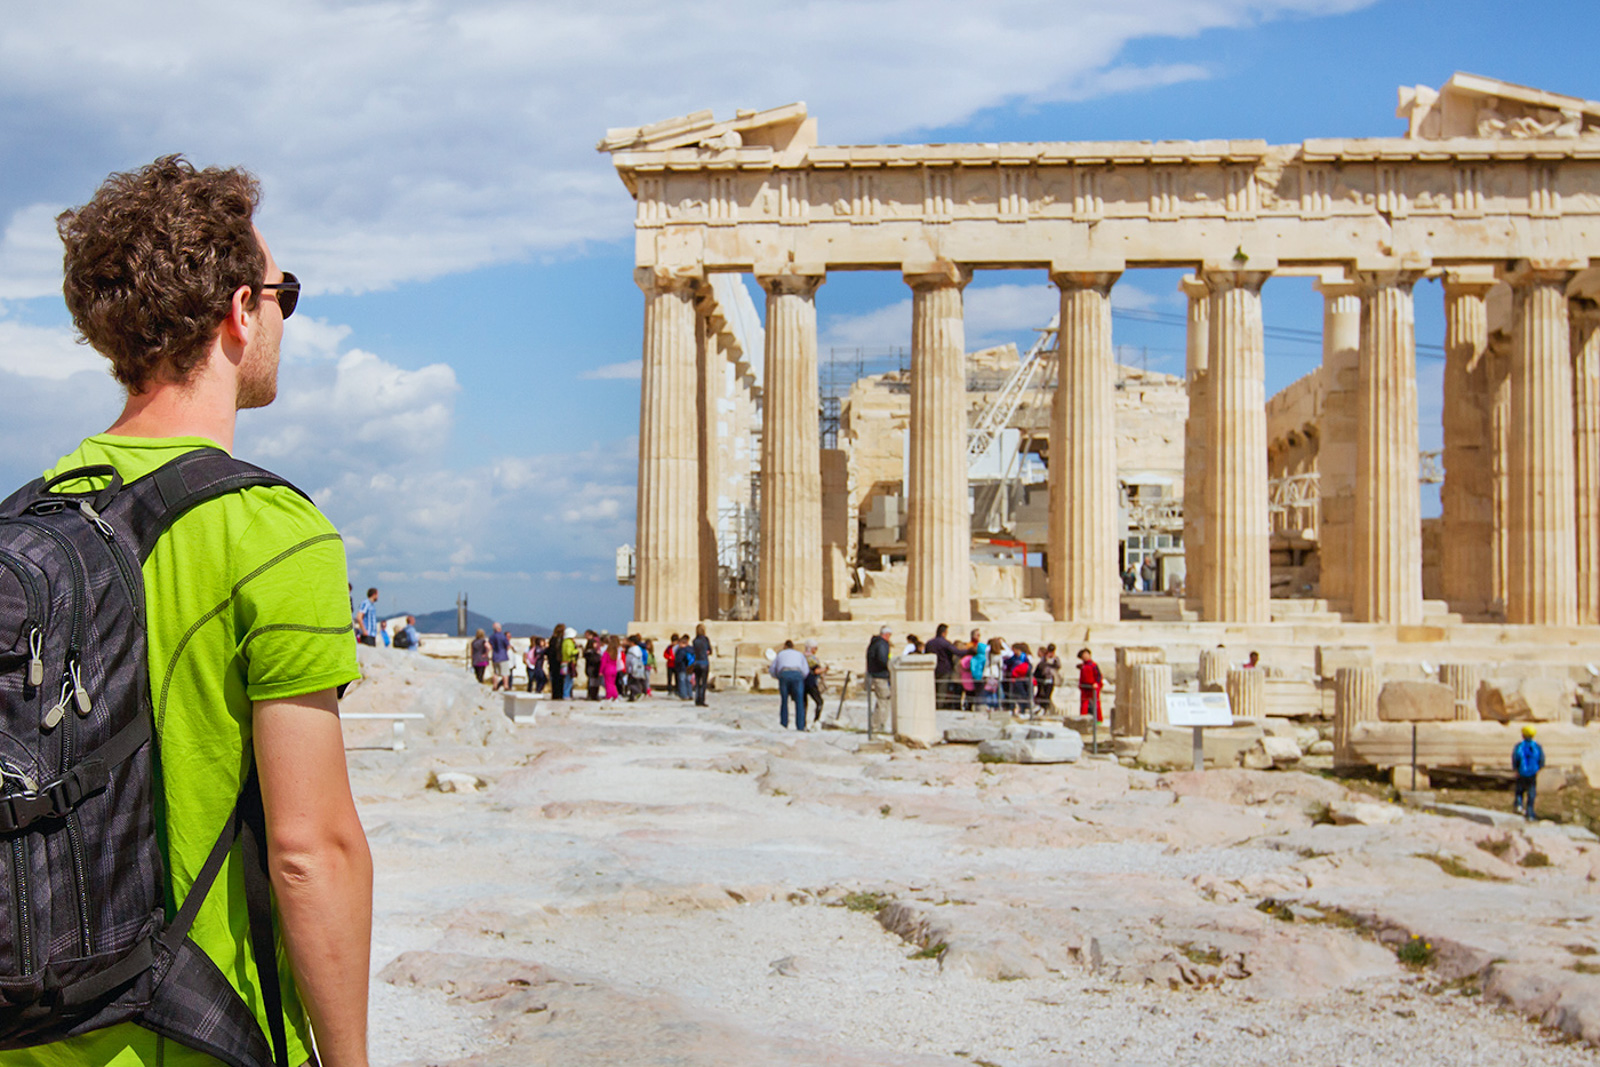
pixel 428 170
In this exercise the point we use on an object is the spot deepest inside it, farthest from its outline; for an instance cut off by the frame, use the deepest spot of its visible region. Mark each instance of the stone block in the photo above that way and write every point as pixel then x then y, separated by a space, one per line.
pixel 972 733
pixel 1591 767
pixel 1332 657
pixel 1416 702
pixel 1064 749
pixel 1524 700
pixel 1173 746
pixel 1466 744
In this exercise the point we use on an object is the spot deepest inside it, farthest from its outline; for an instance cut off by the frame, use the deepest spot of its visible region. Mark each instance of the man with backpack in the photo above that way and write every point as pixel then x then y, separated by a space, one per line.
pixel 244 648
pixel 1527 760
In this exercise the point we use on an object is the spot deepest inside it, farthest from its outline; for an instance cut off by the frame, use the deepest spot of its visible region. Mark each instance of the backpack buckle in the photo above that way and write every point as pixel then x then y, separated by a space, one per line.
pixel 18 811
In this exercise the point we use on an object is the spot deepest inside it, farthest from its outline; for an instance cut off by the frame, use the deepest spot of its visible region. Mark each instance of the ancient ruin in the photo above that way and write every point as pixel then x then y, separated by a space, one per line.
pixel 1493 185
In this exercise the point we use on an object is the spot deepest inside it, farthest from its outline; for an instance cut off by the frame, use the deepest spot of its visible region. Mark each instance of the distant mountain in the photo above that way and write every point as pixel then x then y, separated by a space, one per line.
pixel 444 622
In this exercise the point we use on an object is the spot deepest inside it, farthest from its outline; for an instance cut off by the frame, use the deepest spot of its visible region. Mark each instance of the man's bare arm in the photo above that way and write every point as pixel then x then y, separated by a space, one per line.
pixel 320 865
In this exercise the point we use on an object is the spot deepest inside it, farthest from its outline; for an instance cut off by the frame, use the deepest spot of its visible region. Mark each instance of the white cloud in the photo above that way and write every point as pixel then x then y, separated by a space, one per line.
pixel 46 352
pixel 402 141
pixel 628 370
pixel 305 337
pixel 30 253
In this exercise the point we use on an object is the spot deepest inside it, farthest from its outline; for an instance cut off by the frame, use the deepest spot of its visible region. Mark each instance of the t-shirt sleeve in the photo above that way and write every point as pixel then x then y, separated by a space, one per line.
pixel 291 606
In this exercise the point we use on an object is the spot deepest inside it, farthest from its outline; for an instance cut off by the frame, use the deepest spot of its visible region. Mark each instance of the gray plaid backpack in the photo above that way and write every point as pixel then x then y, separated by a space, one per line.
pixel 85 941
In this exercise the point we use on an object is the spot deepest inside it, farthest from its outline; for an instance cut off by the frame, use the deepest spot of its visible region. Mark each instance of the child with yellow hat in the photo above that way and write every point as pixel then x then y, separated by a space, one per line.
pixel 1527 759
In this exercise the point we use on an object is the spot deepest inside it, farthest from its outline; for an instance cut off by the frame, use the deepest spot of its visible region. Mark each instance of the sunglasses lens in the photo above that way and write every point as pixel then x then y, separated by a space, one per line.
pixel 288 298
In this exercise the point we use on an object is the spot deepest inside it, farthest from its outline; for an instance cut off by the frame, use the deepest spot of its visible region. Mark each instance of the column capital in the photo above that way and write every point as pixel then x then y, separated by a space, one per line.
pixel 1218 280
pixel 936 274
pixel 1469 281
pixel 1369 280
pixel 791 283
pixel 1543 271
pixel 661 279
pixel 1583 312
pixel 1100 280
pixel 1194 287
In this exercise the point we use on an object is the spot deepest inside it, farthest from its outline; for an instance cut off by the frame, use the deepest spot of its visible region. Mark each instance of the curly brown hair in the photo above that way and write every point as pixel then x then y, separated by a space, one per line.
pixel 153 261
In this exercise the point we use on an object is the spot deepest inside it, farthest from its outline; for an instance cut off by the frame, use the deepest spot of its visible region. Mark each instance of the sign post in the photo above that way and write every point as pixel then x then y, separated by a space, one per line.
pixel 1197 711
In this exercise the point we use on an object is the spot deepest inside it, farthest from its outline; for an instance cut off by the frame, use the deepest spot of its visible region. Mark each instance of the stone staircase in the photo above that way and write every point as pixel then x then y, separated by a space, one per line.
pixel 1155 607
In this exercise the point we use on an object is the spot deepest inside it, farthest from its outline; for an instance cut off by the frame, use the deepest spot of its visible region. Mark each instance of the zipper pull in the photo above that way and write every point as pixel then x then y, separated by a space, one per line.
pixel 80 693
pixel 36 663
pixel 53 717
pixel 94 517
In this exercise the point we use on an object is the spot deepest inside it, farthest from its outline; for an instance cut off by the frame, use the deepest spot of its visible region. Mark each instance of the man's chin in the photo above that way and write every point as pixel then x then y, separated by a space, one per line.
pixel 258 395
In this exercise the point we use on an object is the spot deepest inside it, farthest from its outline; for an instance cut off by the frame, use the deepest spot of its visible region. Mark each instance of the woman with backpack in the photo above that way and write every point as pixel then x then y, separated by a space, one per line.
pixel 479 651
pixel 1019 684
pixel 533 659
pixel 554 663
pixel 1045 675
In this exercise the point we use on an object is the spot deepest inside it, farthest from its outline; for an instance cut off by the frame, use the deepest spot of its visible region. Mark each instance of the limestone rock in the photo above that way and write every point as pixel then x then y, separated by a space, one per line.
pixel 1364 813
pixel 1524 699
pixel 1173 746
pixel 1065 749
pixel 1271 752
pixel 454 782
pixel 1320 748
pixel 1591 767
pixel 1416 702
pixel 971 733
pixel 1564 1000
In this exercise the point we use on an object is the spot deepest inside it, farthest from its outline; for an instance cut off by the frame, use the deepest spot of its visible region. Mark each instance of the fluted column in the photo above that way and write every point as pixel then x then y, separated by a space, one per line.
pixel 1194 436
pixel 1586 448
pixel 1336 450
pixel 1083 455
pixel 938 527
pixel 667 560
pixel 708 393
pixel 1467 520
pixel 1541 549
pixel 1500 474
pixel 790 577
pixel 1237 582
pixel 1387 572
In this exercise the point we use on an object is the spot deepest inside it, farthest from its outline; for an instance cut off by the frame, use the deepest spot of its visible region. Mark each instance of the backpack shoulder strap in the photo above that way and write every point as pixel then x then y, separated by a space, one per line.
pixel 148 506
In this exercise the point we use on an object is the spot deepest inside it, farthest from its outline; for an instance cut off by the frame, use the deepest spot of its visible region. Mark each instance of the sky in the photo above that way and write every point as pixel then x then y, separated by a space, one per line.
pixel 459 386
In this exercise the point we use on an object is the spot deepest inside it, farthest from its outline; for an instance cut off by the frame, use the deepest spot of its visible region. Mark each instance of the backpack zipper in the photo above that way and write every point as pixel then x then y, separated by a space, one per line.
pixel 34 623
pixel 21 901
pixel 71 680
pixel 118 551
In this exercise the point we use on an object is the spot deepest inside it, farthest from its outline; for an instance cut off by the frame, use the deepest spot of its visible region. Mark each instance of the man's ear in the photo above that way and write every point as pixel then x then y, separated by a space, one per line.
pixel 236 326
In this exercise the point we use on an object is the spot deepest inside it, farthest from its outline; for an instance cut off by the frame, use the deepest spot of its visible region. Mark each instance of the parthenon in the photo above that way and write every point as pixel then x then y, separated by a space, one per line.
pixel 1493 188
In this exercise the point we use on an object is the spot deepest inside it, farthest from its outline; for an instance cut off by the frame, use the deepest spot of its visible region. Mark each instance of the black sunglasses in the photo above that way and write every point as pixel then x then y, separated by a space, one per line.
pixel 288 292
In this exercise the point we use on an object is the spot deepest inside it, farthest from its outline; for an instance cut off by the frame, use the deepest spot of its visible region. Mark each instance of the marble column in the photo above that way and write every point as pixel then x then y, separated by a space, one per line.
pixel 1336 451
pixel 666 585
pixel 1467 519
pixel 1500 465
pixel 1586 453
pixel 708 395
pixel 1236 586
pixel 790 578
pixel 938 525
pixel 1387 573
pixel 1194 437
pixel 1540 550
pixel 1083 455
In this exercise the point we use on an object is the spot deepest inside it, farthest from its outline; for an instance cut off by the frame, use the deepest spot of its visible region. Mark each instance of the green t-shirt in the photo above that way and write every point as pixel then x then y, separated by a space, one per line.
pixel 243 603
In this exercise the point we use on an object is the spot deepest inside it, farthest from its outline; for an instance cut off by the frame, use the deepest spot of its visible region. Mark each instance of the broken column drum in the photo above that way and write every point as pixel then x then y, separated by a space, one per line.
pixel 1127 657
pixel 1145 705
pixel 1462 678
pixel 1213 670
pixel 1247 692
pixel 1355 692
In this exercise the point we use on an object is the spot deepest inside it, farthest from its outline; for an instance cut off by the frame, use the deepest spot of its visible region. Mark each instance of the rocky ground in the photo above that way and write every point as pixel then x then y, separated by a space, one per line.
pixel 657 884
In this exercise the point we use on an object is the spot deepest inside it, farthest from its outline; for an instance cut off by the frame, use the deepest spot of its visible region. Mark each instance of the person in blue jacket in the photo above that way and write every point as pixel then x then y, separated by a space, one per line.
pixel 1527 759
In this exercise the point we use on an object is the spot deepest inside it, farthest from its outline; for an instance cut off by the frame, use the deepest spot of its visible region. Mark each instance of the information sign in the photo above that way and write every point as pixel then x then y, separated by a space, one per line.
pixel 1199 709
